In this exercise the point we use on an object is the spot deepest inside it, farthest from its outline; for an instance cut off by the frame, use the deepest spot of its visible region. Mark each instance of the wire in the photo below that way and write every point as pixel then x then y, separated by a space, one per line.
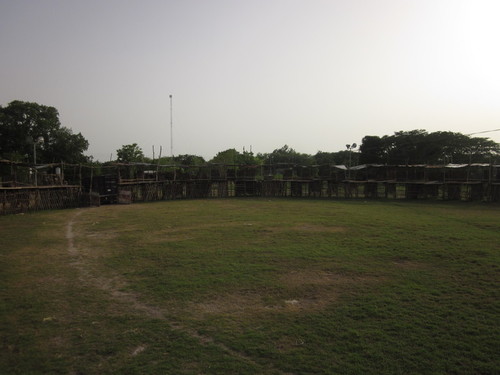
pixel 486 131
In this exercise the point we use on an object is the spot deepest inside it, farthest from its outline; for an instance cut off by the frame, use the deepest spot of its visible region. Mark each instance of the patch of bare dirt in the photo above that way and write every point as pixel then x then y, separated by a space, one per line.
pixel 237 304
pixel 234 303
pixel 102 235
pixel 407 264
pixel 307 291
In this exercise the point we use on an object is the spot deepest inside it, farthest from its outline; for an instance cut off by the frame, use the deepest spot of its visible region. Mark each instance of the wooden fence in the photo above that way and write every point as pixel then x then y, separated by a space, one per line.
pixel 29 199
pixel 474 182
pixel 171 190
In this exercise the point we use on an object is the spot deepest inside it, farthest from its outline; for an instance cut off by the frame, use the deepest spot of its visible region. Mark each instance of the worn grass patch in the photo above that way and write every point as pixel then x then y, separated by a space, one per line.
pixel 252 286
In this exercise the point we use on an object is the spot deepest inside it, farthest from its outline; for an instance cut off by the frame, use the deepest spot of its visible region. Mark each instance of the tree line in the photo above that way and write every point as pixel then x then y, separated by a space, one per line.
pixel 30 131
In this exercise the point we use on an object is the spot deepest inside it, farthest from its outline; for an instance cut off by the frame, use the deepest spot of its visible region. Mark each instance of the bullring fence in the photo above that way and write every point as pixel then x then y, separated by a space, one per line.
pixel 25 188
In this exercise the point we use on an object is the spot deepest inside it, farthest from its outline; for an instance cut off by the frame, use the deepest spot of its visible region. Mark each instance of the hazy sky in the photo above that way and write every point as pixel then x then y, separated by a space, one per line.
pixel 312 74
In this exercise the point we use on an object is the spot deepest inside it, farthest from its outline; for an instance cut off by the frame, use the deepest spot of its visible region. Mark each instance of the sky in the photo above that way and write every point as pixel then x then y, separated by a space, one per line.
pixel 255 75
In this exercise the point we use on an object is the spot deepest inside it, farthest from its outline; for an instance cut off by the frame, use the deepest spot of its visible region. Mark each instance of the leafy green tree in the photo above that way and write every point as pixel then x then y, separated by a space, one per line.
pixel 336 158
pixel 287 155
pixel 373 150
pixel 232 156
pixel 460 148
pixel 228 156
pixel 130 153
pixel 64 145
pixel 248 158
pixel 23 123
pixel 408 147
pixel 189 160
pixel 420 147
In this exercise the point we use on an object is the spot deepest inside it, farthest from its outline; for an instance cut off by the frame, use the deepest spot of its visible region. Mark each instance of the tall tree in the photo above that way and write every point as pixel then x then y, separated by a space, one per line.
pixel 287 155
pixel 229 156
pixel 130 153
pixel 188 159
pixel 23 123
pixel 374 150
pixel 232 156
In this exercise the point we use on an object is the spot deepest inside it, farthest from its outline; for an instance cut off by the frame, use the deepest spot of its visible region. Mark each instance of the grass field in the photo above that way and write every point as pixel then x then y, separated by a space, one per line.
pixel 252 286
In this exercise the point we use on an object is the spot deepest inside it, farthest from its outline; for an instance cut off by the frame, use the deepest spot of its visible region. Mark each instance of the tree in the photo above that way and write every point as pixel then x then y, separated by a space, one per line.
pixel 373 150
pixel 232 156
pixel 189 160
pixel 22 123
pixel 64 145
pixel 130 153
pixel 460 148
pixel 228 156
pixel 408 147
pixel 336 158
pixel 420 147
pixel 287 155
pixel 323 158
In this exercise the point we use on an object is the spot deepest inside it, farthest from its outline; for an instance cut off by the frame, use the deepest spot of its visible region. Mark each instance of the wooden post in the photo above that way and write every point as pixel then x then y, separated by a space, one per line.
pixel 80 176
pixel 13 172
pixel 91 179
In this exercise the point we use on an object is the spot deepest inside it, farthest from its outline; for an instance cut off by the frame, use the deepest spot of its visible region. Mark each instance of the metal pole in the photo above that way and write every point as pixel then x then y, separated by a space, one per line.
pixel 172 138
pixel 171 131
pixel 34 162
pixel 350 152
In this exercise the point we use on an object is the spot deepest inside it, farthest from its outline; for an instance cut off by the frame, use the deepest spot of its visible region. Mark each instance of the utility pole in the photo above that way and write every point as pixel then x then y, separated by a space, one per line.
pixel 172 139
pixel 171 131
pixel 38 141
pixel 350 148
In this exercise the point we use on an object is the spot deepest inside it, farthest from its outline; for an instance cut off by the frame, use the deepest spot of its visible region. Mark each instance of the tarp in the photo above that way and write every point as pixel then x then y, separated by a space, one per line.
pixel 343 167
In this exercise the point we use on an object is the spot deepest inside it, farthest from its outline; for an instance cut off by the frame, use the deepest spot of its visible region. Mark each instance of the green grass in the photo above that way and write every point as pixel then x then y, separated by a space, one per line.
pixel 252 286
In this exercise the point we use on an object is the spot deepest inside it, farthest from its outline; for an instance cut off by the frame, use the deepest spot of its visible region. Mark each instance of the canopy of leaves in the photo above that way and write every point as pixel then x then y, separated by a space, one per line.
pixel 336 158
pixel 130 154
pixel 287 155
pixel 232 156
pixel 23 123
pixel 188 159
pixel 420 147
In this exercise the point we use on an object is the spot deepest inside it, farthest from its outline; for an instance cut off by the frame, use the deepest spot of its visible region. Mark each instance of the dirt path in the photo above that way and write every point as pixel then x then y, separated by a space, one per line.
pixel 113 284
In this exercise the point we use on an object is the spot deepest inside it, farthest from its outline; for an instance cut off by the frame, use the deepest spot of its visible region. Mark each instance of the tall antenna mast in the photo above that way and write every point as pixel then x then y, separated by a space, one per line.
pixel 171 130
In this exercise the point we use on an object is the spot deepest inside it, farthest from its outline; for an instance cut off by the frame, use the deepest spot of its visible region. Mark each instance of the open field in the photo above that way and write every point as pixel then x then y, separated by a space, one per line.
pixel 252 286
